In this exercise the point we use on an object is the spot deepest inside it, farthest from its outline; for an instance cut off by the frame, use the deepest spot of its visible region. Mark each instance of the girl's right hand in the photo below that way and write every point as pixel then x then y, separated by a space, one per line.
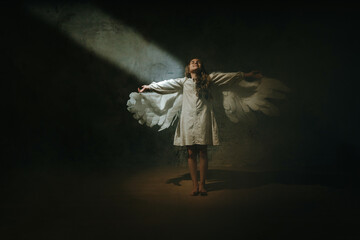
pixel 144 88
pixel 254 75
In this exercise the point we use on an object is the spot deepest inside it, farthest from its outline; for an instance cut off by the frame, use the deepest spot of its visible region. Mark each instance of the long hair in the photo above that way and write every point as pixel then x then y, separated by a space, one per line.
pixel 202 80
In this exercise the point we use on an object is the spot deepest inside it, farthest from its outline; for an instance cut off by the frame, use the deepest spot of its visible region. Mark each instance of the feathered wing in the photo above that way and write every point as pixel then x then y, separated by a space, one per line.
pixel 155 109
pixel 243 100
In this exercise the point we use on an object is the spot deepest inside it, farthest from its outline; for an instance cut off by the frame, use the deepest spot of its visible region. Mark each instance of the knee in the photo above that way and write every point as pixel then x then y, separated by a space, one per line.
pixel 191 154
pixel 203 154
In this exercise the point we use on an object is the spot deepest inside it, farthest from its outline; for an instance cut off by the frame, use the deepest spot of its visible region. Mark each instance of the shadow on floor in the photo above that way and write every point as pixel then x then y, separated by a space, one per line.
pixel 229 179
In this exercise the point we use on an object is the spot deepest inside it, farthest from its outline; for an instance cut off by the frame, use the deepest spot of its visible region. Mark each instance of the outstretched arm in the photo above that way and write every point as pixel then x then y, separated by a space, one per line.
pixel 164 87
pixel 221 79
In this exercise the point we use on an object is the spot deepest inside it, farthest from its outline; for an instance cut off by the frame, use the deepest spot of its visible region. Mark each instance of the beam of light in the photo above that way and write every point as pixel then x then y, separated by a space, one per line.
pixel 110 39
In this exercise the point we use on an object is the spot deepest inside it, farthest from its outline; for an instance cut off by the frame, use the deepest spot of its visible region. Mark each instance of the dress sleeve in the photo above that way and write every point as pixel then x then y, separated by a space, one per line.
pixel 222 79
pixel 168 86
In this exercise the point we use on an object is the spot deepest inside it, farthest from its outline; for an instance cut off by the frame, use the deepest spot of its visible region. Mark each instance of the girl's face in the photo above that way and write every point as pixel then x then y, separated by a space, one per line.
pixel 194 65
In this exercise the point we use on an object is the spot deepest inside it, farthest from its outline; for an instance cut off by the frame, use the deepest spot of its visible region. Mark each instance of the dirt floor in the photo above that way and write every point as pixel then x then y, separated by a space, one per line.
pixel 154 202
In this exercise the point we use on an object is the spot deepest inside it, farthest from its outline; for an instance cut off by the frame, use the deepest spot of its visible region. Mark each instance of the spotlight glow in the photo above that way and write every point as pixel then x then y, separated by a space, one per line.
pixel 112 40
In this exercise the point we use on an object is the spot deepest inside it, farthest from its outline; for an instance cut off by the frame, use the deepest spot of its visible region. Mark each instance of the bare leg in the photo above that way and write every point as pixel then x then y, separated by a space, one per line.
pixel 203 167
pixel 192 152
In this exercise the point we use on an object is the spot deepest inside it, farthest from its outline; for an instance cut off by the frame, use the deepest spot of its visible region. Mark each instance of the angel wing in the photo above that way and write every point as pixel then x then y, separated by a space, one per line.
pixel 155 109
pixel 241 102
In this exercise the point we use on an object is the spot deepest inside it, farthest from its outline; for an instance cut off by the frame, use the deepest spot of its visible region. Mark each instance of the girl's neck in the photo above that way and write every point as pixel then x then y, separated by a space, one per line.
pixel 193 75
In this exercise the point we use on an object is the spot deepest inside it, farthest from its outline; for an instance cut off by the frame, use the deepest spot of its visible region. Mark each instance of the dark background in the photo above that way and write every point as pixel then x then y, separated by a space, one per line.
pixel 64 105
pixel 64 112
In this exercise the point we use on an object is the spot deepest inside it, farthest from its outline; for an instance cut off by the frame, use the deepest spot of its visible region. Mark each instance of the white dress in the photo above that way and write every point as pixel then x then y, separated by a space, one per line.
pixel 175 98
pixel 197 123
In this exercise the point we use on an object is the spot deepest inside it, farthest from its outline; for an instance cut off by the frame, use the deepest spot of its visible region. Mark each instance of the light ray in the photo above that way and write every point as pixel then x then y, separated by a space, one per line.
pixel 110 39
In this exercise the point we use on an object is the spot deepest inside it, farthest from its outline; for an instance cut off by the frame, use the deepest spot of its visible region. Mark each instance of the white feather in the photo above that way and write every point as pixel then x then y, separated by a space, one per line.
pixel 239 103
pixel 155 109
pixel 239 106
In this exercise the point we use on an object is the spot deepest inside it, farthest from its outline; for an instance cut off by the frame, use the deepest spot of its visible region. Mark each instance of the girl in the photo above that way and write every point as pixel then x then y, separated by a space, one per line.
pixel 197 126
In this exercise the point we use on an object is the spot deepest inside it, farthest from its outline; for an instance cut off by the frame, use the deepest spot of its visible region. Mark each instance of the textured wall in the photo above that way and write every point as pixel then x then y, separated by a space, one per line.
pixel 72 67
pixel 110 39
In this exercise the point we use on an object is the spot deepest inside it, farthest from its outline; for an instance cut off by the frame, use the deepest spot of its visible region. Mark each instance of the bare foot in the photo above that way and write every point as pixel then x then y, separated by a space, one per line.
pixel 202 191
pixel 195 191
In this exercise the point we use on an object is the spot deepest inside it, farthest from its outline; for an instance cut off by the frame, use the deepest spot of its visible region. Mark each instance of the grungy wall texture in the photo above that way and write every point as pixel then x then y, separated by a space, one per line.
pixel 110 39
pixel 71 68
